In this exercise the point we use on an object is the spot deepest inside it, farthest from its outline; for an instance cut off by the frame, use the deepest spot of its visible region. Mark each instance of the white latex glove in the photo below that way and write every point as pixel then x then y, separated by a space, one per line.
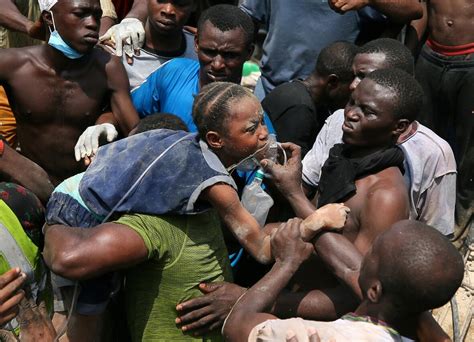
pixel 129 34
pixel 88 143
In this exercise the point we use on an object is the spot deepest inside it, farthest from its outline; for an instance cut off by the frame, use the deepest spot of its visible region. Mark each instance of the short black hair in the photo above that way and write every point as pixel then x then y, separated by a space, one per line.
pixel 397 55
pixel 337 58
pixel 406 91
pixel 160 120
pixel 226 18
pixel 211 107
pixel 418 267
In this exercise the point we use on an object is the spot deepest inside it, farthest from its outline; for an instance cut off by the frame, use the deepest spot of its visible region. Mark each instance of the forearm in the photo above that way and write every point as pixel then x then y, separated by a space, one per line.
pixel 247 312
pixel 18 169
pixel 300 204
pixel 415 34
pixel 401 11
pixel 341 257
pixel 138 10
pixel 319 305
pixel 12 19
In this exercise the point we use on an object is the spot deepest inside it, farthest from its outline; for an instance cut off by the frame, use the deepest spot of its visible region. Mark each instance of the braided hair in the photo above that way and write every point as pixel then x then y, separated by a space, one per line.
pixel 211 107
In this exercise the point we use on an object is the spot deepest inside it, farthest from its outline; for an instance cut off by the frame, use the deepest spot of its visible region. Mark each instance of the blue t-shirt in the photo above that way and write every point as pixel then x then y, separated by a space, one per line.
pixel 171 89
pixel 297 31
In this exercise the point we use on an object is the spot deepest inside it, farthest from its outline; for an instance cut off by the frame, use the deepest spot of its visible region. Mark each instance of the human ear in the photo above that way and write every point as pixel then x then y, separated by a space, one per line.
pixel 47 18
pixel 250 50
pixel 196 43
pixel 214 140
pixel 374 293
pixel 332 81
pixel 401 126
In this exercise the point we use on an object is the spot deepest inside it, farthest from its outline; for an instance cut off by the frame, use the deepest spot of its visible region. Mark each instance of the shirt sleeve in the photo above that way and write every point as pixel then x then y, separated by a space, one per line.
pixel 257 9
pixel 330 134
pixel 436 204
pixel 145 98
pixel 148 228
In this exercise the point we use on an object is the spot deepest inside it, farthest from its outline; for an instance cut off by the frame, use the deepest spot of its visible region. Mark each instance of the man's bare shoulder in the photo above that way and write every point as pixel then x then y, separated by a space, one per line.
pixel 386 186
pixel 14 57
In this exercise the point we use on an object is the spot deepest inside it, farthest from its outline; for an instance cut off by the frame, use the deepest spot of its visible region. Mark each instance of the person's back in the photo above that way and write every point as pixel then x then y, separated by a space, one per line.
pixel 55 97
pixel 180 257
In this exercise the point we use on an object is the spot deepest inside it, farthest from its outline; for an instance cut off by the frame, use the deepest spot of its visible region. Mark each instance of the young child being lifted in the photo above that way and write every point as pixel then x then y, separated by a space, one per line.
pixel 191 173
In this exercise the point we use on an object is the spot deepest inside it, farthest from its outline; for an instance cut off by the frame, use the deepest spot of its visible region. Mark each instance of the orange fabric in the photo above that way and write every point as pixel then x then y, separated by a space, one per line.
pixel 7 120
pixel 450 50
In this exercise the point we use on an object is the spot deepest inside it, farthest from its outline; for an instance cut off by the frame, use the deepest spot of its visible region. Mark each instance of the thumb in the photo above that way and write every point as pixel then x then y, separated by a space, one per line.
pixel 267 165
pixel 111 133
pixel 209 287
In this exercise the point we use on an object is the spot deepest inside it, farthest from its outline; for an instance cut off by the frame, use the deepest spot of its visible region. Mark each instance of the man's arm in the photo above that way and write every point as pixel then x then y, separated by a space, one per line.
pixel 82 253
pixel 290 251
pixel 121 103
pixel 416 29
pixel 401 11
pixel 18 169
pixel 12 19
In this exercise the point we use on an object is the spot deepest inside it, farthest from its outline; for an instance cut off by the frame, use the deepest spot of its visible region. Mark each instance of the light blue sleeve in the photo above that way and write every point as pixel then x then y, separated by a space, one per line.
pixel 145 98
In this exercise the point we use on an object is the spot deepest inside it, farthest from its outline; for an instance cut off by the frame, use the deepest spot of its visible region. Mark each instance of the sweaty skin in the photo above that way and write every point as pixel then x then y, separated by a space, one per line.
pixel 446 22
pixel 55 99
pixel 451 22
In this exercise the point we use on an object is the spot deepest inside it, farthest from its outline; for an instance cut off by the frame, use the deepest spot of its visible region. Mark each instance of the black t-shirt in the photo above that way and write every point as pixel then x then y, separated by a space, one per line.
pixel 294 115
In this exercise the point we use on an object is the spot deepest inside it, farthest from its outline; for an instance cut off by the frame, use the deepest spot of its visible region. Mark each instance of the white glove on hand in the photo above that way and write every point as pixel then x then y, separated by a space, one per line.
pixel 129 33
pixel 88 142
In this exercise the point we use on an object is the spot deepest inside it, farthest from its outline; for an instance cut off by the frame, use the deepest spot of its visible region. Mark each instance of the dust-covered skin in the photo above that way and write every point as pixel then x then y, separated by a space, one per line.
pixel 329 217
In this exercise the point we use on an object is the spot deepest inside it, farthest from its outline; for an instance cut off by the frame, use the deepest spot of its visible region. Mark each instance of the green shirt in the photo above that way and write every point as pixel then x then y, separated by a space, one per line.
pixel 183 251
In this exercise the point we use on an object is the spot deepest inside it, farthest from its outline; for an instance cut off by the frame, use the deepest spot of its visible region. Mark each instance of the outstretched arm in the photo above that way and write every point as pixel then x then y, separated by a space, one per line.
pixel 289 251
pixel 82 253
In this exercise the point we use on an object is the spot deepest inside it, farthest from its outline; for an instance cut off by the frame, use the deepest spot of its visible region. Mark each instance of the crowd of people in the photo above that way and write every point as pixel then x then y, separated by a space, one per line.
pixel 148 193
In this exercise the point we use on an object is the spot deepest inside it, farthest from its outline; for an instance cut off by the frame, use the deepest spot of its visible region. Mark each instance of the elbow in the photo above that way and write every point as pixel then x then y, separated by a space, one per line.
pixel 66 264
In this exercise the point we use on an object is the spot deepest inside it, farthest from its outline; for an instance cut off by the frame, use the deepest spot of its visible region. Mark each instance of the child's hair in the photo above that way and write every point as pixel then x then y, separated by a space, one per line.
pixel 160 120
pixel 211 106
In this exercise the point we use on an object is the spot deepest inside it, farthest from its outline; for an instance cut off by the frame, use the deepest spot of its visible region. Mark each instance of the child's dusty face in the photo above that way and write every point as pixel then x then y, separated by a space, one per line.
pixel 246 131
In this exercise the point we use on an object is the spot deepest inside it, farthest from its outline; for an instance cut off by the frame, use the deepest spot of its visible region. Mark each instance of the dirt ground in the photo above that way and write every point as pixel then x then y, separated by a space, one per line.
pixel 465 304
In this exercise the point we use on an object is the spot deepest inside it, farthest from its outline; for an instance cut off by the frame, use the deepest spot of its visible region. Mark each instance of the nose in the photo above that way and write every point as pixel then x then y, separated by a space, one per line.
pixel 263 133
pixel 168 10
pixel 218 62
pixel 355 83
pixel 351 113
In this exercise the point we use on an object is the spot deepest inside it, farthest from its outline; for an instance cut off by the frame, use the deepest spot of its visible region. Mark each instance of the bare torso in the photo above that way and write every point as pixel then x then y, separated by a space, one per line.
pixel 53 106
pixel 451 22
pixel 360 228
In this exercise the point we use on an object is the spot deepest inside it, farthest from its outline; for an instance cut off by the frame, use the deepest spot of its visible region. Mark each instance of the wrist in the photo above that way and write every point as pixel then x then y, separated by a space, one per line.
pixel 289 265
